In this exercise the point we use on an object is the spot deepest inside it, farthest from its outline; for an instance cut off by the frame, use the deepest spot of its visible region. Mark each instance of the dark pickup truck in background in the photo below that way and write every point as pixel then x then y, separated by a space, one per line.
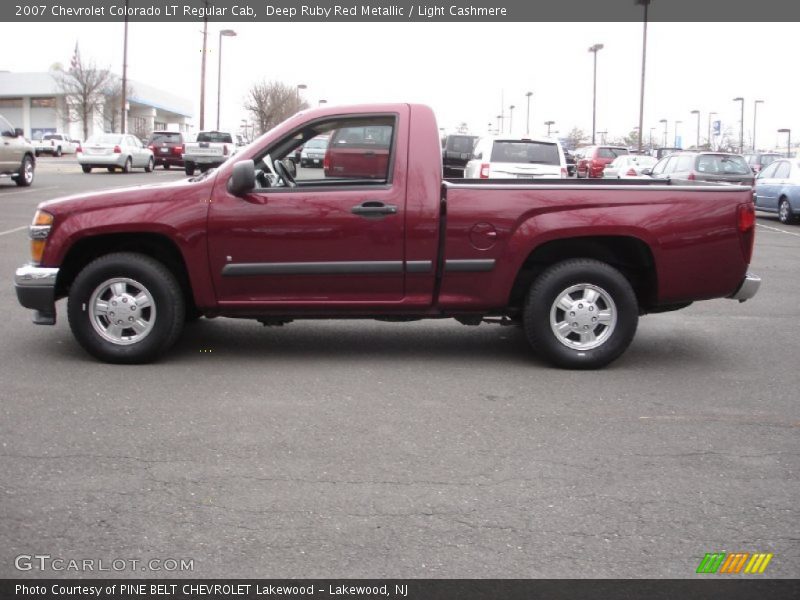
pixel 456 153
pixel 574 262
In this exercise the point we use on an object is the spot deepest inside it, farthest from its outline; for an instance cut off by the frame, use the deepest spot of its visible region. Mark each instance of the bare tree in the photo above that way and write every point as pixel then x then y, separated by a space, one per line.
pixel 111 103
pixel 270 102
pixel 84 87
pixel 575 138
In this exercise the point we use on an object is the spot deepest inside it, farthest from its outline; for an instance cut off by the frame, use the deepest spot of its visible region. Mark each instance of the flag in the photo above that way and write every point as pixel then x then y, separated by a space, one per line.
pixel 76 60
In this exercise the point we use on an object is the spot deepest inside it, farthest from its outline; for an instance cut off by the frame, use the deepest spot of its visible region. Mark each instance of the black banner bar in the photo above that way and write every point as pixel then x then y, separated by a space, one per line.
pixel 399 10
pixel 707 588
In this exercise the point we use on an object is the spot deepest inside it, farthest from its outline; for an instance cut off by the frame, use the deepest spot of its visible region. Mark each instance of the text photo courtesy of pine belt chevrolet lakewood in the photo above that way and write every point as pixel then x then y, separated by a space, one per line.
pixel 379 234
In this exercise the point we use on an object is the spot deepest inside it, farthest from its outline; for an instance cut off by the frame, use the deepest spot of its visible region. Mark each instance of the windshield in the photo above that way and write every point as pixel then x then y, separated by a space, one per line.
pixel 214 137
pixel 525 152
pixel 106 138
pixel 722 164
pixel 319 144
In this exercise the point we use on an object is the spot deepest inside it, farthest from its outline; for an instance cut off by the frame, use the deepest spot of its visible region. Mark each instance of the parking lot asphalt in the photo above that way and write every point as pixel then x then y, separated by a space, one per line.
pixel 430 449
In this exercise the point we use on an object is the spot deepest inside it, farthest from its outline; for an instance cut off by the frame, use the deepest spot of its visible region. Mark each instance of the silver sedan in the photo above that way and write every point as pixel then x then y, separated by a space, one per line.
pixel 115 151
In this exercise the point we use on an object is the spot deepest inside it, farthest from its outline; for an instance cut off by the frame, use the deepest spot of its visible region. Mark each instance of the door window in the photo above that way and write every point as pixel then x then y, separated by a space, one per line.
pixel 6 130
pixel 782 170
pixel 769 172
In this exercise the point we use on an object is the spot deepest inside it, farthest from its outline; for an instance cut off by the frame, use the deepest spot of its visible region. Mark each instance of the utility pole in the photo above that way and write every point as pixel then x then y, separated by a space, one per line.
pixel 528 115
pixel 203 73
pixel 594 50
pixel 741 125
pixel 755 111
pixel 124 93
pixel 646 4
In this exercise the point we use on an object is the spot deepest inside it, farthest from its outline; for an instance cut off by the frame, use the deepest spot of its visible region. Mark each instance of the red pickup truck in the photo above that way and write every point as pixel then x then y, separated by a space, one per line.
pixel 574 262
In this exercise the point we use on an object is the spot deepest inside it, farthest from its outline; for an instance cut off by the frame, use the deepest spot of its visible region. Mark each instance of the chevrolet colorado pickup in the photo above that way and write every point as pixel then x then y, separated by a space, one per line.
pixel 574 262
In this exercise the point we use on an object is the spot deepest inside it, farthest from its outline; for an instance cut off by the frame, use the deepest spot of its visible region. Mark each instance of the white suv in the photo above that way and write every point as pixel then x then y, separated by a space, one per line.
pixel 517 158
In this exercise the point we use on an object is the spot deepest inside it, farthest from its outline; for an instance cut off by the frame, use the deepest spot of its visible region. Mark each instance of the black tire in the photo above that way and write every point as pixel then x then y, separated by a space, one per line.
pixel 204 168
pixel 110 169
pixel 58 152
pixel 36 153
pixel 785 213
pixel 166 166
pixel 128 165
pixel 25 174
pixel 167 298
pixel 188 168
pixel 86 168
pixel 551 285
pixel 150 166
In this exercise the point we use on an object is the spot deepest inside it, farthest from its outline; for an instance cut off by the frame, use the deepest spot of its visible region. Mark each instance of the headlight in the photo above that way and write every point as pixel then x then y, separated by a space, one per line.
pixel 38 232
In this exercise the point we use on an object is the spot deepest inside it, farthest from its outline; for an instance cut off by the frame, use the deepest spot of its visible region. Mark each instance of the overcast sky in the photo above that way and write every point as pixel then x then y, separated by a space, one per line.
pixel 461 69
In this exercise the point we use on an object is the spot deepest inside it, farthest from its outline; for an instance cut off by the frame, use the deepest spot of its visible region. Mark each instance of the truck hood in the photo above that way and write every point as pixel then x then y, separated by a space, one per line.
pixel 140 194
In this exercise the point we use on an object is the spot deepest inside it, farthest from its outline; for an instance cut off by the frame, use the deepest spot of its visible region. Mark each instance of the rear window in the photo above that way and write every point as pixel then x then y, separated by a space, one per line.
pixel 214 137
pixel 160 137
pixel 768 159
pixel 525 152
pixel 52 136
pixel 460 143
pixel 611 152
pixel 105 139
pixel 318 143
pixel 721 164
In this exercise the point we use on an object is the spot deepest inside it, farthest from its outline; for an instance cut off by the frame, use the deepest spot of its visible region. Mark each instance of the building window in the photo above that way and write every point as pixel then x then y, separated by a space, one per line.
pixel 43 102
pixel 10 102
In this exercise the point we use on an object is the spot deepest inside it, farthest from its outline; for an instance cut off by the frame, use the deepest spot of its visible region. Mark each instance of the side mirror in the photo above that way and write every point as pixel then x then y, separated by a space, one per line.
pixel 19 133
pixel 243 178
pixel 647 171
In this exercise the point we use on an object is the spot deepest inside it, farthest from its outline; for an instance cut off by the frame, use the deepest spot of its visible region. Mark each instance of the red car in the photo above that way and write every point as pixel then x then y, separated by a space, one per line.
pixel 591 161
pixel 167 147
pixel 574 263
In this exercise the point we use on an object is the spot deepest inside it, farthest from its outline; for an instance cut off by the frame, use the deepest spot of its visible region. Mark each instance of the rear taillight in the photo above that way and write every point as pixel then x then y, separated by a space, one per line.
pixel 78 149
pixel 484 174
pixel 177 149
pixel 563 173
pixel 326 162
pixel 690 177
pixel 746 218
pixel 151 147
pixel 117 150
pixel 631 173
pixel 225 150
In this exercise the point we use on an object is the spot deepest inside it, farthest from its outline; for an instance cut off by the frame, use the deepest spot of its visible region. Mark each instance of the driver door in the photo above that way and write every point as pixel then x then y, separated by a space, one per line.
pixel 333 239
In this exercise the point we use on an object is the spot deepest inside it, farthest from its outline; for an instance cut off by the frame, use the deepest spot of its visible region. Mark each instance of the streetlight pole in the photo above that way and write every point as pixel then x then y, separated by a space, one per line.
pixel 741 125
pixel 594 49
pixel 697 142
pixel 510 119
pixel 203 72
pixel 124 93
pixel 652 129
pixel 664 121
pixel 499 124
pixel 646 4
pixel 675 145
pixel 755 111
pixel 602 135
pixel 710 145
pixel 300 86
pixel 549 123
pixel 225 33
pixel 788 141
pixel 528 115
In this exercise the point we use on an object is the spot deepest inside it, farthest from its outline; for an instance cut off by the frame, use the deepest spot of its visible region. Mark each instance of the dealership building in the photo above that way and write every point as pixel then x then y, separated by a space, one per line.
pixel 35 103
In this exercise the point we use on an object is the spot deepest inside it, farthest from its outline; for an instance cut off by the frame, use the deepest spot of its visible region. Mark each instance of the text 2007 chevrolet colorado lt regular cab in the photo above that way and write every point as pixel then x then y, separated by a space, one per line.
pixel 576 264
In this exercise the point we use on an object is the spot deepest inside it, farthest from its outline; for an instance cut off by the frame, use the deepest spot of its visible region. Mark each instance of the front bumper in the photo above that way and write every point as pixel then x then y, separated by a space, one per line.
pixel 36 289
pixel 747 289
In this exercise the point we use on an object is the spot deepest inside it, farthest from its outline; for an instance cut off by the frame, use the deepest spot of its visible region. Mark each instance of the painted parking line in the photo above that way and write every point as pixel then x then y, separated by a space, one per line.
pixel 7 231
pixel 5 194
pixel 794 233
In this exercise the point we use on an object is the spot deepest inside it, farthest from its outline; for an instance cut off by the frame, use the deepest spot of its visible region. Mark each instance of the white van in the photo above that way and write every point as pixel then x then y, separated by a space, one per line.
pixel 517 158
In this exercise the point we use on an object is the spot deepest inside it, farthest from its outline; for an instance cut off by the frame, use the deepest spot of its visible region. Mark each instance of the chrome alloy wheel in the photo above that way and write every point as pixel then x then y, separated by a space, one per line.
pixel 122 311
pixel 27 171
pixel 784 211
pixel 583 316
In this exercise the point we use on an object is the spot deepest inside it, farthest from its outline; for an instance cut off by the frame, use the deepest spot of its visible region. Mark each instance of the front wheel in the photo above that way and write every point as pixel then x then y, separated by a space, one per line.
pixel 150 166
pixel 581 314
pixel 25 174
pixel 58 152
pixel 785 213
pixel 126 308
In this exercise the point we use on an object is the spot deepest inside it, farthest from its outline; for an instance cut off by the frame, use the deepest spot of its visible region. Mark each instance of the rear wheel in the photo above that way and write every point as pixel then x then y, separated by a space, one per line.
pixel 188 167
pixel 785 213
pixel 581 314
pixel 126 308
pixel 25 174
pixel 86 168
pixel 150 166
pixel 58 151
pixel 166 166
pixel 128 165
pixel 110 169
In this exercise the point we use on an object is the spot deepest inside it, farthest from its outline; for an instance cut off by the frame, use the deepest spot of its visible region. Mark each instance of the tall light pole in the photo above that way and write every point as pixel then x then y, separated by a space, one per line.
pixel 755 111
pixel 652 129
pixel 124 92
pixel 602 135
pixel 697 143
pixel 741 125
pixel 646 4
pixel 549 123
pixel 203 72
pixel 528 114
pixel 222 33
pixel 788 141
pixel 510 119
pixel 710 145
pixel 664 121
pixel 594 50
pixel 675 145
pixel 500 124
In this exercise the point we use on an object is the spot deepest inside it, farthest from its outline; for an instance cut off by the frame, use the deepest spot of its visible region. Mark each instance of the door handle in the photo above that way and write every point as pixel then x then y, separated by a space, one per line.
pixel 374 208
